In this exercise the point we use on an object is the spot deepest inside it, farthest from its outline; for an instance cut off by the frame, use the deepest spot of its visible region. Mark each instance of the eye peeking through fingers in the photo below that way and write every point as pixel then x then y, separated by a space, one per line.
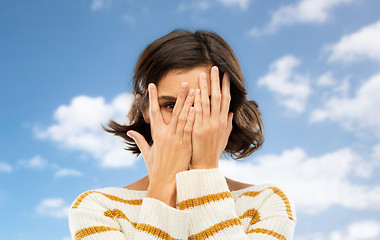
pixel 169 106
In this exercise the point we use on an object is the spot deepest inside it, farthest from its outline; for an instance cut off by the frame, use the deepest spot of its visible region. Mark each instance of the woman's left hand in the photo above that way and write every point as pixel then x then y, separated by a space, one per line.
pixel 212 127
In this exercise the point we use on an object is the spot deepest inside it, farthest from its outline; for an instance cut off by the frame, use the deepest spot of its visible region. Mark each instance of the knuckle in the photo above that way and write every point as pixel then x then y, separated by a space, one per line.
pixel 182 118
pixel 227 96
pixel 154 109
pixel 187 130
pixel 197 133
pixel 205 103
pixel 223 123
pixel 213 128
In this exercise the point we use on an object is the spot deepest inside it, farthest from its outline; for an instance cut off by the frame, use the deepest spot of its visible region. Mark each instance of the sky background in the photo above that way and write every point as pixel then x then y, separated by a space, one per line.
pixel 312 66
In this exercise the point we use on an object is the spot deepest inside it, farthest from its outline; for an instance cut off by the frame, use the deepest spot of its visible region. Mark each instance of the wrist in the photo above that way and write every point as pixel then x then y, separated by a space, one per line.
pixel 164 192
pixel 204 166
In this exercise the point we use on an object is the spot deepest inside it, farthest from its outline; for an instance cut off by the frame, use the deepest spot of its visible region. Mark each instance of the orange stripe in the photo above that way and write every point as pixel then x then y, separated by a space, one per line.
pixel 139 226
pixel 286 201
pixel 279 193
pixel 251 193
pixel 92 230
pixel 116 213
pixel 268 232
pixel 114 198
pixel 203 200
pixel 216 228
pixel 154 231
pixel 253 214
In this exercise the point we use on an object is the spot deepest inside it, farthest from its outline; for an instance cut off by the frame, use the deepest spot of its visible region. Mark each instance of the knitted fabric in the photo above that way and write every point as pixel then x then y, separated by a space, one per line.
pixel 205 209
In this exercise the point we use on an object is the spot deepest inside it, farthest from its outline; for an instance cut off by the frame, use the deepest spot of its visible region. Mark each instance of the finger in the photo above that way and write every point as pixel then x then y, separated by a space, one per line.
pixel 204 98
pixel 226 96
pixel 198 122
pixel 229 123
pixel 189 126
pixel 154 108
pixel 140 142
pixel 215 93
pixel 178 107
pixel 182 119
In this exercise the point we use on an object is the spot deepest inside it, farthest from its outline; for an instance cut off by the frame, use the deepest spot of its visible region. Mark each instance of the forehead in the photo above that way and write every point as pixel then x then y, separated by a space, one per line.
pixel 170 84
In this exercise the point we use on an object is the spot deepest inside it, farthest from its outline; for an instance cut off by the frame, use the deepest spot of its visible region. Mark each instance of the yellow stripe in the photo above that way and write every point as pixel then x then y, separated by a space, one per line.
pixel 251 193
pixel 286 201
pixel 268 232
pixel 203 200
pixel 118 214
pixel 92 230
pixel 154 231
pixel 279 193
pixel 114 198
pixel 216 228
pixel 139 226
pixel 253 214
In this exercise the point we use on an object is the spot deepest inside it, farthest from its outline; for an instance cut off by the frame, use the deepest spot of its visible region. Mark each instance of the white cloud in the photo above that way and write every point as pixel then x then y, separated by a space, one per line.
pixel 243 4
pixel 53 207
pixel 358 45
pixel 100 4
pixel 357 113
pixel 64 172
pixel 5 167
pixel 36 162
pixel 376 152
pixel 305 11
pixel 77 127
pixel 333 86
pixel 291 88
pixel 129 19
pixel 360 230
pixel 97 4
pixel 326 79
pixel 314 183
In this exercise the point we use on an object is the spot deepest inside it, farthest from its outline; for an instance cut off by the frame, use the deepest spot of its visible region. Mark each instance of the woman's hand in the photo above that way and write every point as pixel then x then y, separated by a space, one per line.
pixel 171 150
pixel 213 126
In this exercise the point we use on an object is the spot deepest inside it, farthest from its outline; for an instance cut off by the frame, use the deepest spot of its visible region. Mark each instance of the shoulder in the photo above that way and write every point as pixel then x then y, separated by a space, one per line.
pixel 269 199
pixel 105 196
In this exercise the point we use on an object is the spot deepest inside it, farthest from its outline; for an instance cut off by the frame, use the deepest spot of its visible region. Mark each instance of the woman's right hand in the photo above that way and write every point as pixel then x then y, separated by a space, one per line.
pixel 171 150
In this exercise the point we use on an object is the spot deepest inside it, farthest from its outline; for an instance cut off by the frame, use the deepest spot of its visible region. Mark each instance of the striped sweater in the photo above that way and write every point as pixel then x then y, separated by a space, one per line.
pixel 205 209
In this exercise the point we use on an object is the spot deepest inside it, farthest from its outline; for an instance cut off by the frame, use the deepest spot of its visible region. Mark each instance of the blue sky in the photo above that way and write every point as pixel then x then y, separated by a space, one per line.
pixel 312 66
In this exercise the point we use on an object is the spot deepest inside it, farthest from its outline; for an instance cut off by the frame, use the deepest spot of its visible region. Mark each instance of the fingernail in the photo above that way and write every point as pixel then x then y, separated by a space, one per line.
pixel 215 69
pixel 150 86
pixel 191 109
pixel 203 76
pixel 198 91
pixel 130 134
pixel 183 86
pixel 191 92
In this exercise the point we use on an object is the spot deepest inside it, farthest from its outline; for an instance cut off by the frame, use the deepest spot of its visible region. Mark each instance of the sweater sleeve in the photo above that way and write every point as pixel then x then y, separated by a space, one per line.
pixel 90 219
pixel 205 195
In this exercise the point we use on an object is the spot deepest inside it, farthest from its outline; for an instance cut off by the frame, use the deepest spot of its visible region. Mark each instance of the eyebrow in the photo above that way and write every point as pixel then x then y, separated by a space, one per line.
pixel 167 98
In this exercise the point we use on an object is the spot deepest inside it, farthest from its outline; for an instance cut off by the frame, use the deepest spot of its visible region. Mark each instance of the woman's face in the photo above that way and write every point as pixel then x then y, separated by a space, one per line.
pixel 169 86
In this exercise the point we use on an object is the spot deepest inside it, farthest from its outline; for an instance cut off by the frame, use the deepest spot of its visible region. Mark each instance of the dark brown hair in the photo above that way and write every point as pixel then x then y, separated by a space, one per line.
pixel 181 49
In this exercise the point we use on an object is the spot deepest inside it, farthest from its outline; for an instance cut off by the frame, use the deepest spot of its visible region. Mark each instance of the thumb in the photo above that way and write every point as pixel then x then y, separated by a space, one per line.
pixel 140 141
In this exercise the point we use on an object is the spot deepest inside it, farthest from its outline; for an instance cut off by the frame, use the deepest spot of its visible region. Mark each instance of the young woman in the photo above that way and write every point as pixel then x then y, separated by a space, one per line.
pixel 190 106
